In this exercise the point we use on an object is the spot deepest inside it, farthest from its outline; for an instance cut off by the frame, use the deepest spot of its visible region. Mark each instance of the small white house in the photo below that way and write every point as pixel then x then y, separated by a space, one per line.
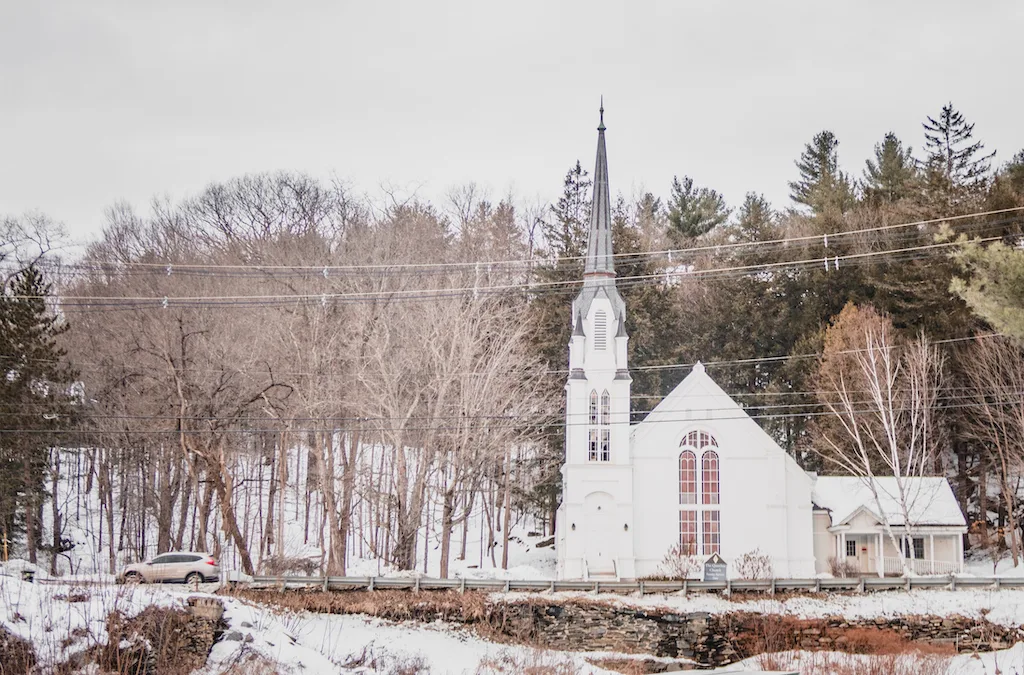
pixel 699 473
pixel 848 527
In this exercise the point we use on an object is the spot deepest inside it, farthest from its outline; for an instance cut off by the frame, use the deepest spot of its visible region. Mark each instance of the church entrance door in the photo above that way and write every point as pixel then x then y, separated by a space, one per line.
pixel 600 551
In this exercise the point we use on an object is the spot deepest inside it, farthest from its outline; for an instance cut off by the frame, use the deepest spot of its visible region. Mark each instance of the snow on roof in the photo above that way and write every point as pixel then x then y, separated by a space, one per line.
pixel 930 500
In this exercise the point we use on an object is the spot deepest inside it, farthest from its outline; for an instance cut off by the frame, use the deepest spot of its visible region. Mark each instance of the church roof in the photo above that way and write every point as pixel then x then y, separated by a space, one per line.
pixel 599 268
pixel 930 500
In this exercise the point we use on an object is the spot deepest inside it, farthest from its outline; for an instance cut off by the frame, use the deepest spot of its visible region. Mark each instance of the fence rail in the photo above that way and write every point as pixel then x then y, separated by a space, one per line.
pixel 861 584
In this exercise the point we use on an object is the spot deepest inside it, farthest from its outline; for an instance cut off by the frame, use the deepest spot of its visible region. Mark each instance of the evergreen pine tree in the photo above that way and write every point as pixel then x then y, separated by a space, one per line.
pixel 567 234
pixel 693 211
pixel 956 169
pixel 822 186
pixel 756 219
pixel 35 401
pixel 892 174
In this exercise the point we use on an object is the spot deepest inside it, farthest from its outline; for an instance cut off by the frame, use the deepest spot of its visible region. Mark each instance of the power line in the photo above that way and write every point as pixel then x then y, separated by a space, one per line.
pixel 168 301
pixel 170 266
pixel 544 425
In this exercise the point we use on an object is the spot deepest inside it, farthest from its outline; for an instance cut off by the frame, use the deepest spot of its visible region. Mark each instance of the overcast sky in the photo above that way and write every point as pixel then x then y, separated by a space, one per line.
pixel 102 101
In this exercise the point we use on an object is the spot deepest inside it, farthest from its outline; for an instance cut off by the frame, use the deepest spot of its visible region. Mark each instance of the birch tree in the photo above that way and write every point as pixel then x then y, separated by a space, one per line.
pixel 882 396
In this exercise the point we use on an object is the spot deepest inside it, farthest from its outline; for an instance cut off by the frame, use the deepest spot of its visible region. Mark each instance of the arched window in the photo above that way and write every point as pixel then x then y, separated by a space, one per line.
pixel 709 477
pixel 700 524
pixel 688 479
pixel 606 408
pixel 600 330
pixel 593 407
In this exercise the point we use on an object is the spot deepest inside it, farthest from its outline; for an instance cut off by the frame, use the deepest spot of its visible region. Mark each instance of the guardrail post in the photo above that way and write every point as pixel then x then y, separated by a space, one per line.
pixel 863 585
pixel 325 583
pixel 597 586
pixel 998 584
pixel 462 585
pixel 685 589
pixel 909 584
pixel 552 585
pixel 952 582
pixel 772 590
pixel 728 587
pixel 369 586
pixel 506 586
pixel 817 585
pixel 416 588
pixel 641 587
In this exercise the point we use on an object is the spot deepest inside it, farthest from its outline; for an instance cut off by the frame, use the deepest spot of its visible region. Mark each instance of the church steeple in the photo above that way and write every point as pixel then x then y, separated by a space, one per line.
pixel 599 267
pixel 599 241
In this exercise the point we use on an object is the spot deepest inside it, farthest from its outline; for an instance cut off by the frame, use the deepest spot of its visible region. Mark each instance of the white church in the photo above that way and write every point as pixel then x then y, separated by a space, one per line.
pixel 700 473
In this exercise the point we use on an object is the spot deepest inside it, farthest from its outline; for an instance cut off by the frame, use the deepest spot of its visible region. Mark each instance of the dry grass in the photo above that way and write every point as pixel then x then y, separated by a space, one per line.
pixel 829 663
pixel 533 662
pixel 759 634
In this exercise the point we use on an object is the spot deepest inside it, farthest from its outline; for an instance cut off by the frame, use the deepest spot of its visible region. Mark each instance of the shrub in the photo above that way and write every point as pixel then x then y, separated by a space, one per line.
pixel 16 653
pixel 754 565
pixel 679 564
pixel 281 565
pixel 841 568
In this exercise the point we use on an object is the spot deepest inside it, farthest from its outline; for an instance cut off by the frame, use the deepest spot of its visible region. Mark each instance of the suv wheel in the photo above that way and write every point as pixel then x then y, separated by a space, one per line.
pixel 133 578
pixel 194 578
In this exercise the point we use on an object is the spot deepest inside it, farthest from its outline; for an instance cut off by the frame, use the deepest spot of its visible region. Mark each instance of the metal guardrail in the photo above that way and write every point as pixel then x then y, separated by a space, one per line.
pixel 770 586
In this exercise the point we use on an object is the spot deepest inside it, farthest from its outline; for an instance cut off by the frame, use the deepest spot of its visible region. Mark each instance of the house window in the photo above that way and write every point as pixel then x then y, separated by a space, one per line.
pixel 688 532
pixel 606 408
pixel 709 477
pixel 593 407
pixel 851 548
pixel 918 548
pixel 593 454
pixel 606 443
pixel 600 330
pixel 711 531
pixel 687 478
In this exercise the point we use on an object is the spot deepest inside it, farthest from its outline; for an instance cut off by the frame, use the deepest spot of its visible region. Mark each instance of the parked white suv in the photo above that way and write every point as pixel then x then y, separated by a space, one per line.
pixel 174 567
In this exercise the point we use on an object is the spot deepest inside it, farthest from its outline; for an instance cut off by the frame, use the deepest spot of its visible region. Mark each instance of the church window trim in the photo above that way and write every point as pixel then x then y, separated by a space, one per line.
pixel 687 477
pixel 699 515
pixel 710 481
pixel 600 435
pixel 688 532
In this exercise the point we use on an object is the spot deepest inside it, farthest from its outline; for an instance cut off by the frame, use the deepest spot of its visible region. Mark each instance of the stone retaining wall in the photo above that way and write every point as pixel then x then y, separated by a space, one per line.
pixel 709 640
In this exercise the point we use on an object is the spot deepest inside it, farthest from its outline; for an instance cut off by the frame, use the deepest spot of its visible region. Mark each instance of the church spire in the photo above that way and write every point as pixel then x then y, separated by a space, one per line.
pixel 599 268
pixel 599 242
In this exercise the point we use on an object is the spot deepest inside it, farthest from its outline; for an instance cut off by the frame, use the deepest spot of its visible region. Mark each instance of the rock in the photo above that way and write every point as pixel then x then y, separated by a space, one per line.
pixel 245 624
pixel 233 636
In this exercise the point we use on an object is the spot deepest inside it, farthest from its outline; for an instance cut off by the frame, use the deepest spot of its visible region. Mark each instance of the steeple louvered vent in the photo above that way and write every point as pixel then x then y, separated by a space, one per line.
pixel 600 330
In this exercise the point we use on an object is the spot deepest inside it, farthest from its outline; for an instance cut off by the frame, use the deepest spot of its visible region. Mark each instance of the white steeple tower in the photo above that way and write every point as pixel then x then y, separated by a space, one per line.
pixel 594 537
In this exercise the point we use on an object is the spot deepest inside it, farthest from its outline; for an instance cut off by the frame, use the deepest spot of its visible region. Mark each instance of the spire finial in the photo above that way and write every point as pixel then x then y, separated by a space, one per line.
pixel 601 126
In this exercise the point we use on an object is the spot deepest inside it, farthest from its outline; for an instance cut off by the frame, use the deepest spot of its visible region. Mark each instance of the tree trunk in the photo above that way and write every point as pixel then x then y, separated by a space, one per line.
pixel 447 513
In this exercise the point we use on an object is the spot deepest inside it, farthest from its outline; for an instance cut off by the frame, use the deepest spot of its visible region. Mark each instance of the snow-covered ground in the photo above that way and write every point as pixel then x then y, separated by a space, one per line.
pixel 48 614
pixel 300 642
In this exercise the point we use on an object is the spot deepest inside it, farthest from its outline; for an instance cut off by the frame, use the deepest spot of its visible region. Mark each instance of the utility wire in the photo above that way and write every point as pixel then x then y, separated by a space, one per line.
pixel 532 261
pixel 166 301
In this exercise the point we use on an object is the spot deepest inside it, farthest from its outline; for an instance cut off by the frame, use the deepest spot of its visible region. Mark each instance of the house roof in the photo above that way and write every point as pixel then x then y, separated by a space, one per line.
pixel 930 499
